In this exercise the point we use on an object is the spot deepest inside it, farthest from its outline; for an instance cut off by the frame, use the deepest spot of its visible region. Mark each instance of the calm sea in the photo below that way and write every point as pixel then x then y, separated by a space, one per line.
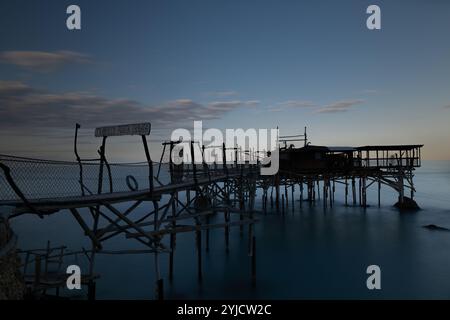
pixel 309 253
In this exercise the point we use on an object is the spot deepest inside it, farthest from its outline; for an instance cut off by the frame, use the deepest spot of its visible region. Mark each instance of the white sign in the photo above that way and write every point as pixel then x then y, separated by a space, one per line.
pixel 142 129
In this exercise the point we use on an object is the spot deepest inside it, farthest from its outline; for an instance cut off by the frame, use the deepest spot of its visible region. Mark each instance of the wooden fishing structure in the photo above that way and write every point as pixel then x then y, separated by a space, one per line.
pixel 165 199
pixel 89 188
pixel 317 170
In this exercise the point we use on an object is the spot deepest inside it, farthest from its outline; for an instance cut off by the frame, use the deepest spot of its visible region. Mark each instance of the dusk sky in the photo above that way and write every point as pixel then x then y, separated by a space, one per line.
pixel 232 64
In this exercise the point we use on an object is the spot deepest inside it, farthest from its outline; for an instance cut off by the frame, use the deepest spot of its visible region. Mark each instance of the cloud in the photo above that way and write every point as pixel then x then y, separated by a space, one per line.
pixel 223 94
pixel 221 107
pixel 370 91
pixel 340 106
pixel 275 109
pixel 296 104
pixel 41 60
pixel 447 106
pixel 252 103
pixel 291 104
pixel 24 106
pixel 13 88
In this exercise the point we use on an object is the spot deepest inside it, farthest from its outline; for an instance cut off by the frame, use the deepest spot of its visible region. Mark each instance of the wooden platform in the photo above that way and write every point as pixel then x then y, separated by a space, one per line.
pixel 50 205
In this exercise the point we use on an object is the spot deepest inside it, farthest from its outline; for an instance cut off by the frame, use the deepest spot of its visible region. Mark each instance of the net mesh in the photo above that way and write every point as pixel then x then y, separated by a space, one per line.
pixel 48 179
pixel 39 179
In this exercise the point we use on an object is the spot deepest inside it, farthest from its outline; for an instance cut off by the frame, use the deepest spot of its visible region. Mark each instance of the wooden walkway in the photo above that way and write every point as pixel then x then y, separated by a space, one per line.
pixel 196 198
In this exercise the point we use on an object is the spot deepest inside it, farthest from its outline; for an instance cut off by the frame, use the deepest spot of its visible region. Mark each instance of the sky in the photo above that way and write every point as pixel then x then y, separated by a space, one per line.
pixel 231 64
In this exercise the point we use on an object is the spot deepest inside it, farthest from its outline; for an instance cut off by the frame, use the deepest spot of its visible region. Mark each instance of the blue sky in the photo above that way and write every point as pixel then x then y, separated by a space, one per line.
pixel 232 64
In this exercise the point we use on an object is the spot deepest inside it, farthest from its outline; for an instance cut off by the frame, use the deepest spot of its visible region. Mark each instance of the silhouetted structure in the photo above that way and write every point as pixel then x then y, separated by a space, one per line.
pixel 89 188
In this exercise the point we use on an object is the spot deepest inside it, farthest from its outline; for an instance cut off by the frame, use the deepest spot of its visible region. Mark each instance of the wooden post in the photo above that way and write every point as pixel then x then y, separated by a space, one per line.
pixel 194 167
pixel 227 232
pixel 360 191
pixel 150 163
pixel 286 195
pixel 334 187
pixel 310 191
pixel 37 270
pixel 401 189
pixel 364 192
pixel 102 161
pixel 250 238
pixel 313 190
pixel 254 261
pixel 277 191
pixel 379 192
pixel 346 192
pixel 330 190
pixel 318 189
pixel 207 234
pixel 199 253
pixel 251 206
pixel 265 200
pixel 173 236
pixel 378 162
pixel 241 207
pixel 301 193
pixel 292 197
pixel 354 190
pixel 271 198
pixel 171 256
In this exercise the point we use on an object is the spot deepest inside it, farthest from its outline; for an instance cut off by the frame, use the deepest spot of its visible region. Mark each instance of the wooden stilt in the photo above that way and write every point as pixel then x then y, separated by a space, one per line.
pixel 286 195
pixel 271 198
pixel 254 261
pixel 346 192
pixel 379 192
pixel 334 187
pixel 241 208
pixel 353 190
pixel 318 189
pixel 227 232
pixel 364 190
pixel 292 197
pixel 207 235
pixel 172 243
pixel 301 193
pixel 37 269
pixel 360 191
pixel 330 190
pixel 199 254
pixel 277 191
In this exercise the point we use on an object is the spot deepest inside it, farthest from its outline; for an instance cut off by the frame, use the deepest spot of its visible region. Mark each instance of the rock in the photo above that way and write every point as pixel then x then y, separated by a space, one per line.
pixel 407 205
pixel 435 227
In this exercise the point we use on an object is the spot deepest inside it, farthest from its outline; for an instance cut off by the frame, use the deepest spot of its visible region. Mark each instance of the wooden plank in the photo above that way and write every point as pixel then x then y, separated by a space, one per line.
pixel 141 129
pixel 182 229
pixel 55 204
pixel 86 229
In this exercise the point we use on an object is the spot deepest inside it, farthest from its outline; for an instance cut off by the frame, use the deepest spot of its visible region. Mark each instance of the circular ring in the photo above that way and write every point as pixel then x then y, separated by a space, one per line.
pixel 132 183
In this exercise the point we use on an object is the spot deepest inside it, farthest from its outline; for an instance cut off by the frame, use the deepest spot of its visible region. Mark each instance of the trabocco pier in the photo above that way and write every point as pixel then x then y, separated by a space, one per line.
pixel 165 199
